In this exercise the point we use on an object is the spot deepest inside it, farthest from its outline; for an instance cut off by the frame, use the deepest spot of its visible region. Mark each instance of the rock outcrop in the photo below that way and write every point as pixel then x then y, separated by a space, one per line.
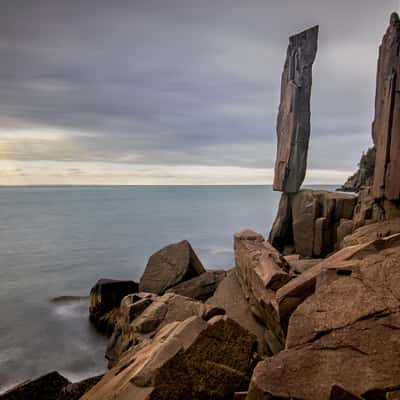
pixel 74 391
pixel 293 125
pixel 345 334
pixel 386 125
pixel 193 359
pixel 105 298
pixel 170 266
pixel 142 315
pixel 364 175
pixel 308 221
pixel 261 271
pixel 201 287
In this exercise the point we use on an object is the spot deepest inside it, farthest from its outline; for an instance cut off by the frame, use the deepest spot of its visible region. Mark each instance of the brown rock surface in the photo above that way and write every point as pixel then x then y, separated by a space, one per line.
pixel 386 126
pixel 261 270
pixel 230 297
pixel 293 126
pixel 346 334
pixel 170 266
pixel 74 391
pixel 186 360
pixel 371 232
pixel 201 287
pixel 310 220
pixel 143 314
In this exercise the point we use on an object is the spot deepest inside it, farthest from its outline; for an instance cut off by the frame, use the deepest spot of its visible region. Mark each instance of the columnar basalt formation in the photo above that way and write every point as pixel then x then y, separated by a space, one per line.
pixel 293 125
pixel 386 125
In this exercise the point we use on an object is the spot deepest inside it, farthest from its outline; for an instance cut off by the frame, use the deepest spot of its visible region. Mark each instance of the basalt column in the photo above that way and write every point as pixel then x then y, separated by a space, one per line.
pixel 293 125
pixel 386 125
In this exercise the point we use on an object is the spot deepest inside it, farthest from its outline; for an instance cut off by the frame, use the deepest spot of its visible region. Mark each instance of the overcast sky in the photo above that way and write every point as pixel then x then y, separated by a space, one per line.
pixel 178 91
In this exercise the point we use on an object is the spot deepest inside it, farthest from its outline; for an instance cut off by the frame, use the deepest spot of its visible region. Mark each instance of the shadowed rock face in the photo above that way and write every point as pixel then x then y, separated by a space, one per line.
pixel 386 125
pixel 293 126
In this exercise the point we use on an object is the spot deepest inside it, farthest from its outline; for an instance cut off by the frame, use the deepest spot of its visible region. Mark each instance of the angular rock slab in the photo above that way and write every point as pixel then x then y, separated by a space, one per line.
pixel 293 127
pixel 346 334
pixel 386 125
pixel 170 266
pixel 193 359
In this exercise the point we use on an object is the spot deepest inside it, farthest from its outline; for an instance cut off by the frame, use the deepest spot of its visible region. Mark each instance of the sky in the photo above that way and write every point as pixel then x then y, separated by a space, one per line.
pixel 178 91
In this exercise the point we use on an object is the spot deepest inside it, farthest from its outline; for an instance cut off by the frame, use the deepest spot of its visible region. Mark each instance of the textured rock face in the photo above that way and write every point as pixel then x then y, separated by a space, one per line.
pixel 230 297
pixel 170 266
pixel 105 298
pixel 386 125
pixel 193 359
pixel 74 391
pixel 293 125
pixel 309 221
pixel 200 288
pixel 346 334
pixel 142 315
pixel 261 270
pixel 47 387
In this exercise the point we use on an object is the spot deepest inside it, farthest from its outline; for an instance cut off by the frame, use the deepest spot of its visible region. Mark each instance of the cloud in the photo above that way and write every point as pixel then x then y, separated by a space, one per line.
pixel 181 82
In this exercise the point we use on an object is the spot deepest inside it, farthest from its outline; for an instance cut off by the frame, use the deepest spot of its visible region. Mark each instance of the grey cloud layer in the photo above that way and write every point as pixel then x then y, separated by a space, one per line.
pixel 181 82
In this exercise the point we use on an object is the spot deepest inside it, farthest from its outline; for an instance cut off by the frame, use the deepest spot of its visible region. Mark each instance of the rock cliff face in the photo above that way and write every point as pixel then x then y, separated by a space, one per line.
pixel 293 126
pixel 386 125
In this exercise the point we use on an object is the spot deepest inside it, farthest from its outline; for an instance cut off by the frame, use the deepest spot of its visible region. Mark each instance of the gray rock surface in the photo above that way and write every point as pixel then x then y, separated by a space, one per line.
pixel 293 126
pixel 170 266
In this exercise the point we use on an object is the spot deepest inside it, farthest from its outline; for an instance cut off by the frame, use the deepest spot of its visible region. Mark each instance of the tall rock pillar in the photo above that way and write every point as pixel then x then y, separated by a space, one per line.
pixel 293 126
pixel 386 125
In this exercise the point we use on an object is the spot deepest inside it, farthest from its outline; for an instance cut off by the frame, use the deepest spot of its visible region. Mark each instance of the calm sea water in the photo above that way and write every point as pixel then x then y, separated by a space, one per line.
pixel 59 241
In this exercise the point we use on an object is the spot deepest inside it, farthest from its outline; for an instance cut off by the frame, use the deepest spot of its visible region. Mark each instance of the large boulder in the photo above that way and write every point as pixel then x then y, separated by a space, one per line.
pixel 345 334
pixel 142 315
pixel 201 287
pixel 192 359
pixel 105 298
pixel 170 266
pixel 47 387
pixel 293 125
pixel 309 220
pixel 261 270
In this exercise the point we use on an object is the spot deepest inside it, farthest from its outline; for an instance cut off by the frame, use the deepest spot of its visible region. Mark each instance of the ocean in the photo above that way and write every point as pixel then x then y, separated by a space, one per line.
pixel 58 241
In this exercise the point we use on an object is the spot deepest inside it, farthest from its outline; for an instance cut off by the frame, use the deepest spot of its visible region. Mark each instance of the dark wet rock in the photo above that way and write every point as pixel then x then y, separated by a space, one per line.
pixel 293 126
pixel 105 298
pixel 47 387
pixel 74 391
pixel 201 287
pixel 170 266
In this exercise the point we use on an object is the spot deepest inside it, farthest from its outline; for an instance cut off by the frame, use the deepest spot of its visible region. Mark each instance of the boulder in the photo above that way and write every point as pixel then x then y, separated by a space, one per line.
pixel 300 265
pixel 346 334
pixel 293 125
pixel 74 391
pixel 47 387
pixel 192 359
pixel 105 298
pixel 201 287
pixel 261 270
pixel 142 315
pixel 386 125
pixel 230 297
pixel 170 266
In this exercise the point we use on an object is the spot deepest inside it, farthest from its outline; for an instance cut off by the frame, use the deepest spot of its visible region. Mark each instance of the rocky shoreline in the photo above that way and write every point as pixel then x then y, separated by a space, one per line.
pixel 312 312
